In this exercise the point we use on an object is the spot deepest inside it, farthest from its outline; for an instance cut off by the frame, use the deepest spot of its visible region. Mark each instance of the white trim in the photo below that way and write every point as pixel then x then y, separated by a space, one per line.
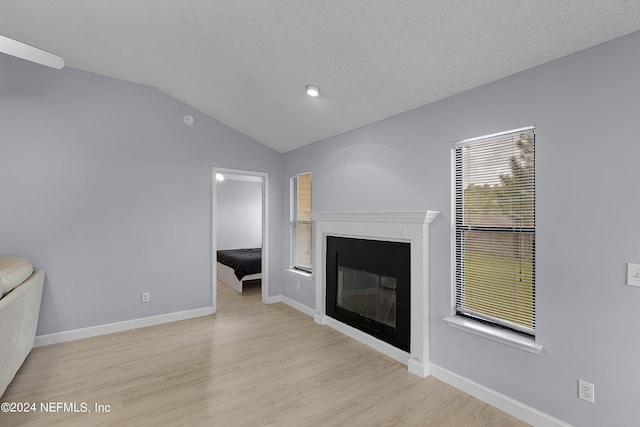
pixel 293 220
pixel 416 367
pixel 493 333
pixel 409 217
pixel 265 231
pixel 291 303
pixel 300 273
pixel 214 241
pixel 125 325
pixel 402 226
pixel 274 299
pixel 492 135
pixel 505 403
pixel 381 346
pixel 298 306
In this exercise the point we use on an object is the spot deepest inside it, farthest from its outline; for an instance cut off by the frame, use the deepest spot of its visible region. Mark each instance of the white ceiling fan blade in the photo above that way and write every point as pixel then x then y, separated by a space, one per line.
pixel 30 53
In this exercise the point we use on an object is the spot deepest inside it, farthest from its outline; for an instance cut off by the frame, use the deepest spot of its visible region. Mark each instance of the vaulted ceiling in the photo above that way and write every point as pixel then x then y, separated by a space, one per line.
pixel 246 62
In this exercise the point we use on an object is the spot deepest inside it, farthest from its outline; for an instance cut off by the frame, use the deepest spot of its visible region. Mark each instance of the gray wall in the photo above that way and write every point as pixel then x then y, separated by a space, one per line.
pixel 239 214
pixel 585 107
pixel 105 188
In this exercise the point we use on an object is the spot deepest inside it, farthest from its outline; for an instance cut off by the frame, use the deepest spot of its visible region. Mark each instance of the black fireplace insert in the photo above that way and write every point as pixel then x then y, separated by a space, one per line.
pixel 369 287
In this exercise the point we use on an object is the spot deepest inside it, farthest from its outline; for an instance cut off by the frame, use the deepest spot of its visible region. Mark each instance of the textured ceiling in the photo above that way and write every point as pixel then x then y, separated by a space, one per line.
pixel 246 63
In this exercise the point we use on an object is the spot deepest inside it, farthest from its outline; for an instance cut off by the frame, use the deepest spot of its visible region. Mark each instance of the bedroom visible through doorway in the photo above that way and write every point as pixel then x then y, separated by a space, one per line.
pixel 239 232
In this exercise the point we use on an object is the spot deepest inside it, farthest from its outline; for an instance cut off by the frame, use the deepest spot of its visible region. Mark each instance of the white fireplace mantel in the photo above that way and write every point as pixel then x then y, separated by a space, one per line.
pixel 402 226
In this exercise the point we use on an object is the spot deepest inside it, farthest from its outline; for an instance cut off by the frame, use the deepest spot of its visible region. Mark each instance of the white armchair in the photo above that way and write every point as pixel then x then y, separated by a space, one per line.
pixel 20 293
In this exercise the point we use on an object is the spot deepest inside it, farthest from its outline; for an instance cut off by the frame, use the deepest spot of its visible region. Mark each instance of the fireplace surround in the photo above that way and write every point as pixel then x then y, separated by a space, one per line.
pixel 410 227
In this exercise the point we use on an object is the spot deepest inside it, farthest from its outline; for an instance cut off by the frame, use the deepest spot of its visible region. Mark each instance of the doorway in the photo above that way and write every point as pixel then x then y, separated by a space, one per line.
pixel 250 176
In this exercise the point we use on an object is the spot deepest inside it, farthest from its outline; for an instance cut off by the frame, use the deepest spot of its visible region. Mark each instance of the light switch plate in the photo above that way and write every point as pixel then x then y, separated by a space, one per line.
pixel 633 274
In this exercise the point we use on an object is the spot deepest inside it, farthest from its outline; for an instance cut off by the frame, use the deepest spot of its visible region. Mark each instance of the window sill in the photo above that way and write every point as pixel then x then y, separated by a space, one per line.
pixel 300 273
pixel 495 334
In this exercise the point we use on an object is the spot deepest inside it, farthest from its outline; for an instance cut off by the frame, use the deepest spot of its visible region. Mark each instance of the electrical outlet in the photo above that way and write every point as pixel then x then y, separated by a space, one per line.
pixel 298 285
pixel 586 391
pixel 633 274
pixel 145 297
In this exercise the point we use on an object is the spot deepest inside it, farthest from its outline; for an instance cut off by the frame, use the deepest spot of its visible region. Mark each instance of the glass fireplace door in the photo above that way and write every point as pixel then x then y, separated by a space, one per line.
pixel 368 287
pixel 367 294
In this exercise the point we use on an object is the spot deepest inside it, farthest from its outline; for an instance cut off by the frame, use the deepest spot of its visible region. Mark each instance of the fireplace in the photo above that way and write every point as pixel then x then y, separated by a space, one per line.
pixel 407 228
pixel 369 287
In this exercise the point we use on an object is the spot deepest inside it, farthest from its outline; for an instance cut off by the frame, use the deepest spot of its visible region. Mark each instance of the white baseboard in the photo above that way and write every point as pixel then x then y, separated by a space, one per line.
pixel 419 368
pixel 298 306
pixel 379 345
pixel 125 325
pixel 291 303
pixel 274 299
pixel 504 403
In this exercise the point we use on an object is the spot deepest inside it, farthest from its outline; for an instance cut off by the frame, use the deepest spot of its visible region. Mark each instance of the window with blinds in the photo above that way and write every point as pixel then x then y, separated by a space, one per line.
pixel 494 182
pixel 301 222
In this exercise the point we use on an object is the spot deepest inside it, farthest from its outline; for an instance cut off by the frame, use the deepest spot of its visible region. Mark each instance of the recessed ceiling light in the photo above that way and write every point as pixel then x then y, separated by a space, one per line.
pixel 313 90
pixel 219 177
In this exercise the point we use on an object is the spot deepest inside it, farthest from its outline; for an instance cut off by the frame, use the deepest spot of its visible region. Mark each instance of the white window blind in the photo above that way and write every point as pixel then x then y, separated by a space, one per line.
pixel 495 229
pixel 301 222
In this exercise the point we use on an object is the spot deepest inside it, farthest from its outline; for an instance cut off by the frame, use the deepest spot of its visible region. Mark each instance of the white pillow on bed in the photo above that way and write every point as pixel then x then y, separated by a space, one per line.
pixel 13 271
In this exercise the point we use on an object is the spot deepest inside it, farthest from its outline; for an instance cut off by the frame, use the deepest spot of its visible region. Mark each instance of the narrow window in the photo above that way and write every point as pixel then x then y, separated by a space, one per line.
pixel 301 222
pixel 494 186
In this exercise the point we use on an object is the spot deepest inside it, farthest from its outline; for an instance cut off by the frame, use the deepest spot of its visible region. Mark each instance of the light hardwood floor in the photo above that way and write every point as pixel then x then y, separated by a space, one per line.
pixel 249 365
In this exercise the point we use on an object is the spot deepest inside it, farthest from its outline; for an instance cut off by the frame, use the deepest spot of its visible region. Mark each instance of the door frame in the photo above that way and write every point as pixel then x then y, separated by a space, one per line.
pixel 214 235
